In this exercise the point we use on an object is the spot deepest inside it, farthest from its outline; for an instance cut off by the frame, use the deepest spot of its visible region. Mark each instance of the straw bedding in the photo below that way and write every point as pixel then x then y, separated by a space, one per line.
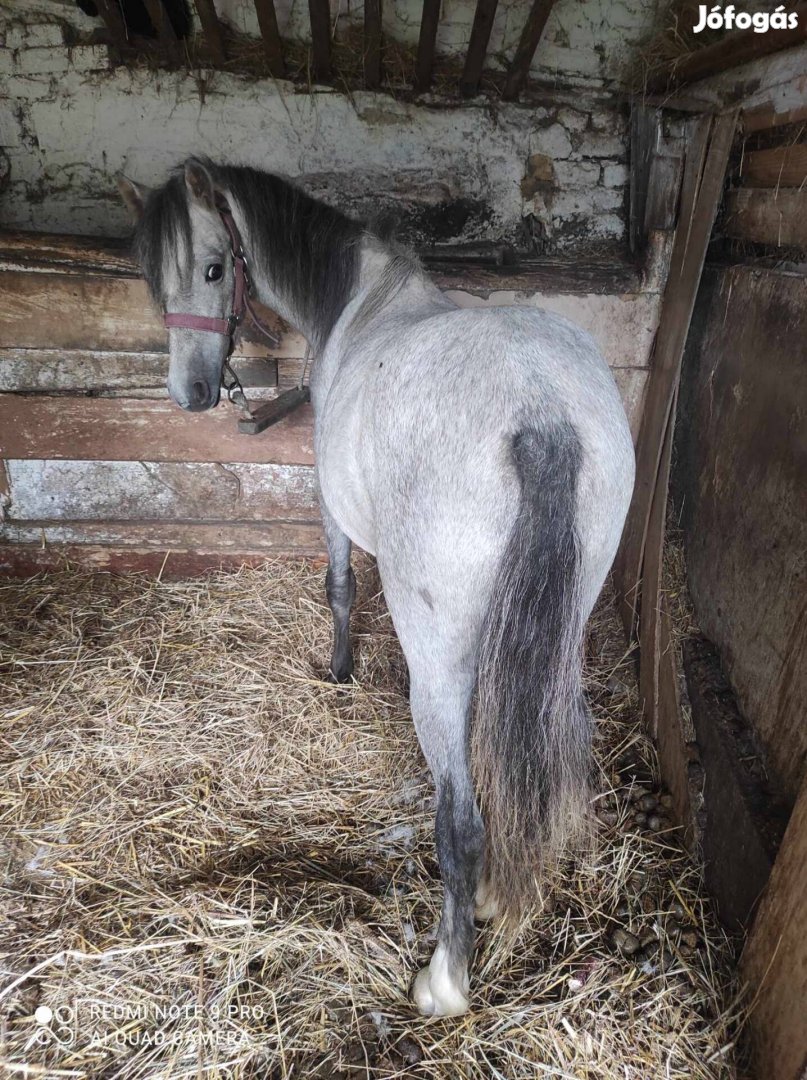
pixel 218 865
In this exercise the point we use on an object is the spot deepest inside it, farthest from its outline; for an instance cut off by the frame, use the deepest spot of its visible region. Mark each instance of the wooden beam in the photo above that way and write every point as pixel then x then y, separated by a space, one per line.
pixel 293 539
pixel 645 128
pixel 478 46
pixel 738 815
pixel 530 36
pixel 424 64
pixel 372 44
pixel 124 545
pixel 662 192
pixel 133 429
pixel 109 11
pixel 700 198
pixel 779 167
pixel 766 117
pixel 767 216
pixel 161 22
pixel 320 14
pixel 650 619
pixel 731 51
pixel 211 28
pixel 270 35
pixel 50 310
pixel 774 961
pixel 136 491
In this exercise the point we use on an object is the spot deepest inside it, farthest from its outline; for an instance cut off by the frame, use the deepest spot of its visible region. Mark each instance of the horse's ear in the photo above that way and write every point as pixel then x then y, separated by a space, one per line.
pixel 199 183
pixel 134 195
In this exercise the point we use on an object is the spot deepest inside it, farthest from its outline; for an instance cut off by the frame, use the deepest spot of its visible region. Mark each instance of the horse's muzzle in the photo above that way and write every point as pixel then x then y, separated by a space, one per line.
pixel 202 396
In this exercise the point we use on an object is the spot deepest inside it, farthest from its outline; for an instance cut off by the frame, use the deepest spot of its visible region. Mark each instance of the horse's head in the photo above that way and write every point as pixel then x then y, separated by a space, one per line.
pixel 185 253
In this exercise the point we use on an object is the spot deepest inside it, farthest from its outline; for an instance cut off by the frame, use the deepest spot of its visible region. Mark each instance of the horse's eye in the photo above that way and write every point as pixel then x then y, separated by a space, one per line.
pixel 214 272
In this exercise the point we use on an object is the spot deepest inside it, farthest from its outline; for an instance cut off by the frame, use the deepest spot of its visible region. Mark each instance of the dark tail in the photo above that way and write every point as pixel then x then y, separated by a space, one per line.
pixel 531 733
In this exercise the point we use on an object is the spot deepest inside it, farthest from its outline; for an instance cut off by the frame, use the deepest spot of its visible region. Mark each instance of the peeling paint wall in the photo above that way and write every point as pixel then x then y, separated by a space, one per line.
pixel 539 177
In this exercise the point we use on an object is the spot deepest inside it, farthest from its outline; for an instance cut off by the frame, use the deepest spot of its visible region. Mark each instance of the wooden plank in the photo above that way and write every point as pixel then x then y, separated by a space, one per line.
pixel 677 750
pixel 46 543
pixel 731 51
pixel 68 254
pixel 650 604
pixel 211 27
pixel 320 15
pixel 645 131
pixel 629 559
pixel 662 192
pixel 124 429
pixel 109 11
pixel 163 536
pixel 270 35
pixel 372 44
pixel 741 450
pixel 150 491
pixel 59 310
pixel 767 117
pixel 289 541
pixel 779 167
pixel 774 960
pixel 741 822
pixel 161 22
pixel 424 63
pixel 519 68
pixel 95 312
pixel 478 46
pixel 767 216
pixel 48 370
pixel 699 204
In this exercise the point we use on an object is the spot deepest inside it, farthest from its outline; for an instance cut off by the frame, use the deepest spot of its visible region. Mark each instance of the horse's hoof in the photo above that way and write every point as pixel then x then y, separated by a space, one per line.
pixel 435 993
pixel 487 902
pixel 343 673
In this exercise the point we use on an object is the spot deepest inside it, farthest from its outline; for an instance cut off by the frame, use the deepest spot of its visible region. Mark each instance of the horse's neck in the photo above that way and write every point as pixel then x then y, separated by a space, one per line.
pixel 374 260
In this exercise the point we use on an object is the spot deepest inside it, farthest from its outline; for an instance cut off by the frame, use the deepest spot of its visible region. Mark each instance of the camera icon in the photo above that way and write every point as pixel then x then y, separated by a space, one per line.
pixel 55 1025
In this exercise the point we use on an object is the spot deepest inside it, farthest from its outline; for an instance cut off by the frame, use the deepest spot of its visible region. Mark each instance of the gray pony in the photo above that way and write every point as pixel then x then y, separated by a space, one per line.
pixel 482 455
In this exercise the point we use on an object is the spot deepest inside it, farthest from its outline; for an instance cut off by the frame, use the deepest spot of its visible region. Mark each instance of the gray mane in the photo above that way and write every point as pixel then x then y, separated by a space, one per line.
pixel 309 250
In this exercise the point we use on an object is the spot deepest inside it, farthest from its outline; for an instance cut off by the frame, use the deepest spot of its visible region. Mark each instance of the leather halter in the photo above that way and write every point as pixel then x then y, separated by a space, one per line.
pixel 241 301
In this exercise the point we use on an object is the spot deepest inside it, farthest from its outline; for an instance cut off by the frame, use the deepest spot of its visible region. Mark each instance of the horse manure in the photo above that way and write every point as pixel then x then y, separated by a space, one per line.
pixel 625 942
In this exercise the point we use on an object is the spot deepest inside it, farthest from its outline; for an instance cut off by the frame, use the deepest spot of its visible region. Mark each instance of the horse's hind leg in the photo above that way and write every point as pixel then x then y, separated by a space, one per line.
pixel 441 689
pixel 340 588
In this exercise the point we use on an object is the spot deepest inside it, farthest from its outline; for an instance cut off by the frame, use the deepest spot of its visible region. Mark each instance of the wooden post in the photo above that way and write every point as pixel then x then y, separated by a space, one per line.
pixel 700 197
pixel 478 46
pixel 645 125
pixel 113 20
pixel 426 43
pixel 166 34
pixel 372 44
pixel 320 14
pixel 211 27
pixel 272 45
pixel 530 36
pixel 775 959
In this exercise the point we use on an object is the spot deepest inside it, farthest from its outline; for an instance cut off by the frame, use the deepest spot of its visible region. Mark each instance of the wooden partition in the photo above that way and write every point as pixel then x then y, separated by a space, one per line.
pixel 98 464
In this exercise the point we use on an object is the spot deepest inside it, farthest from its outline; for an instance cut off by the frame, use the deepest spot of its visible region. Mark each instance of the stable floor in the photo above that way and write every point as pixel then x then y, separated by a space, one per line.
pixel 218 865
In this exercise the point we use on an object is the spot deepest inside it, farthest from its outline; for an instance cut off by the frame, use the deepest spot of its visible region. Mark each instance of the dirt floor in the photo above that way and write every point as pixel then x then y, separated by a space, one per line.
pixel 218 865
